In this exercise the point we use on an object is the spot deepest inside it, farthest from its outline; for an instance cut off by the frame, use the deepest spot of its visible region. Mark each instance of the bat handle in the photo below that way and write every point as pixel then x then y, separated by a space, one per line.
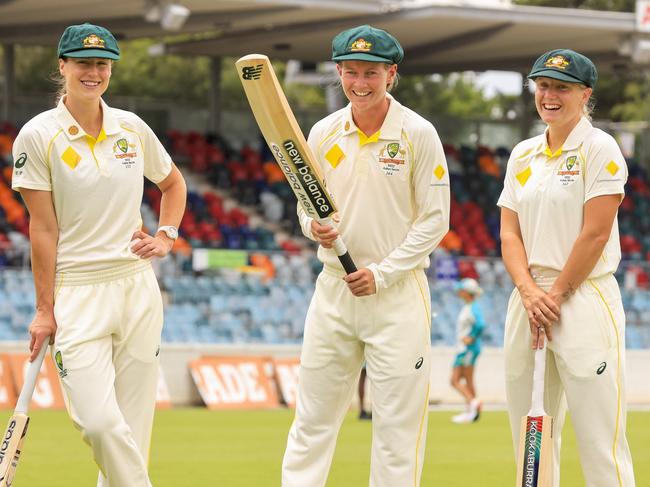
pixel 34 368
pixel 341 250
pixel 537 403
pixel 344 256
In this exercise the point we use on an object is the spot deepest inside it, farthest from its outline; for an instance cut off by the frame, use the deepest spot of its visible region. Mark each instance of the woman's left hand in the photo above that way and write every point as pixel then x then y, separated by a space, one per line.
pixel 145 246
pixel 361 282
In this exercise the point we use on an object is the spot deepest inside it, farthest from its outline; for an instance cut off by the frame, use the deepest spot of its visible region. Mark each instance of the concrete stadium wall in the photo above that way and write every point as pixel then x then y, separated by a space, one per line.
pixel 489 373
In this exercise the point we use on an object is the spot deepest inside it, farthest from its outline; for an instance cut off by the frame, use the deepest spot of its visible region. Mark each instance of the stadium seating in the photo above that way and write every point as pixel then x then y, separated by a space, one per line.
pixel 238 199
pixel 249 307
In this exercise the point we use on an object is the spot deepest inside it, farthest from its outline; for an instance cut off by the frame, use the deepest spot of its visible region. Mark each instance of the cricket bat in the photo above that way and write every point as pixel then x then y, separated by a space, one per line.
pixel 535 453
pixel 288 145
pixel 12 441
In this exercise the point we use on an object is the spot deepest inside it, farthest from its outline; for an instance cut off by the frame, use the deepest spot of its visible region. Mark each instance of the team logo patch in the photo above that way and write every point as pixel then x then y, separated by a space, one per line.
pixel 557 62
pixel 392 159
pixel 59 364
pixel 93 41
pixel 20 162
pixel 570 162
pixel 361 45
pixel 569 171
pixel 123 145
pixel 125 152
pixel 392 149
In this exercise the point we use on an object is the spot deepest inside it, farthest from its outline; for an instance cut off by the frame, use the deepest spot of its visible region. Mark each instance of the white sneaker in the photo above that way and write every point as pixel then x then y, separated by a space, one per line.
pixel 463 418
pixel 475 409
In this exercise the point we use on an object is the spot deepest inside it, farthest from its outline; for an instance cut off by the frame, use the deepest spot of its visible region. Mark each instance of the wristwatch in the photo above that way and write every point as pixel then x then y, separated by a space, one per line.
pixel 170 231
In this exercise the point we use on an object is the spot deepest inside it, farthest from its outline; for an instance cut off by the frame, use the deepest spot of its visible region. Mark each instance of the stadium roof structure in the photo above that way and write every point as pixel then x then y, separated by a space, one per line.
pixel 438 35
pixel 444 36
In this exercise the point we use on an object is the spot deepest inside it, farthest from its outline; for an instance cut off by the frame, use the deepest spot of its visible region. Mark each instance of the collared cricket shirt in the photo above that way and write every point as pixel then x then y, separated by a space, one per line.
pixel 391 190
pixel 548 192
pixel 96 184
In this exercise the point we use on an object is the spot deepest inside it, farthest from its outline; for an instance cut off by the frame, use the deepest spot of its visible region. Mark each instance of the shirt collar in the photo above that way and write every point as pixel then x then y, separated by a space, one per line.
pixel 391 129
pixel 73 130
pixel 576 137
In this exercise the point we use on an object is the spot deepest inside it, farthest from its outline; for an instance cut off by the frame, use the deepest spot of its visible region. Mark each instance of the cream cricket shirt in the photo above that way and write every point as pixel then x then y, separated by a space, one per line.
pixel 548 192
pixel 96 185
pixel 391 190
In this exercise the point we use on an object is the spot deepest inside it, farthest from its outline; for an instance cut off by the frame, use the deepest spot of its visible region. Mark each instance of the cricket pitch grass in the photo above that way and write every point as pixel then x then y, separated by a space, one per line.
pixel 195 447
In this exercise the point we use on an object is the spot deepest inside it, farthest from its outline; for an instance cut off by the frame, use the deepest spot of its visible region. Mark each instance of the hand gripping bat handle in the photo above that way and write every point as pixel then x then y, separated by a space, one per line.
pixel 27 391
pixel 341 250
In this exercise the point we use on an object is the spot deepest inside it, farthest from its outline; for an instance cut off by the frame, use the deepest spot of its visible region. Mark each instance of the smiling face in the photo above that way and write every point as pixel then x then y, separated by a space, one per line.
pixel 85 78
pixel 558 102
pixel 364 83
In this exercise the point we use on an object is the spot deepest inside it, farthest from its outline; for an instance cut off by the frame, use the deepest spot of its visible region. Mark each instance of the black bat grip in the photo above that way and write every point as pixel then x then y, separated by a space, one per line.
pixel 347 263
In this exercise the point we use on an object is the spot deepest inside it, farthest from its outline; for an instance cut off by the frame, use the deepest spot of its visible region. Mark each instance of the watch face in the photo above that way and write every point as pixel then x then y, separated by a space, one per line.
pixel 172 233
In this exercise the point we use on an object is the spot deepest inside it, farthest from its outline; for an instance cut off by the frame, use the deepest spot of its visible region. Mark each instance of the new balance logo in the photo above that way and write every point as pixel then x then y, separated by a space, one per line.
pixel 251 72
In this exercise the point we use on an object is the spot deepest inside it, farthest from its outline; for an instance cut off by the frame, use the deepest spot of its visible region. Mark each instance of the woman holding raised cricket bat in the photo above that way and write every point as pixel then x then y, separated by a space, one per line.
pixel 385 168
pixel 561 247
pixel 80 167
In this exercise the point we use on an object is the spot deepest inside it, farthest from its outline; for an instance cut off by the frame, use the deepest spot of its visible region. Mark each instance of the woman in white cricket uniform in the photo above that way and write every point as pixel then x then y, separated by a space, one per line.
pixel 561 247
pixel 80 167
pixel 385 168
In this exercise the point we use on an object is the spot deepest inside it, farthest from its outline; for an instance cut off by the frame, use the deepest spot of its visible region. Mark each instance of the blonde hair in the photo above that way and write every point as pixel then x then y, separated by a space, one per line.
pixel 59 83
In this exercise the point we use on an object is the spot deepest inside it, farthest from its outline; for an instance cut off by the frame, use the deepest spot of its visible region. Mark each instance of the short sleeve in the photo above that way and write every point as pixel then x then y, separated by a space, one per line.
pixel 508 198
pixel 157 162
pixel 606 170
pixel 31 169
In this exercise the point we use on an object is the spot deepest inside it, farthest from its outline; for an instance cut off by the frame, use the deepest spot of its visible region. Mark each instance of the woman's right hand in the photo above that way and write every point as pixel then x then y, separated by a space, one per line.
pixel 43 326
pixel 543 312
pixel 324 234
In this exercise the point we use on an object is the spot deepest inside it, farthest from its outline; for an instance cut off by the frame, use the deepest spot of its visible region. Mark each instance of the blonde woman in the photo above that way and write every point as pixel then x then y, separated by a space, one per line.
pixel 561 247
pixel 80 167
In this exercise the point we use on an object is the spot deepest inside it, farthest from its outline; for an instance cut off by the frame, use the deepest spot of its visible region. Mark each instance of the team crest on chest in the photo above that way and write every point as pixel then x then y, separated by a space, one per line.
pixel 569 171
pixel 125 152
pixel 392 158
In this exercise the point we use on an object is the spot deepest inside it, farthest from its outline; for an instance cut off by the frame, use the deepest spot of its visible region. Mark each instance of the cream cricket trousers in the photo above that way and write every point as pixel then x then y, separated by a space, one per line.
pixel 392 330
pixel 585 370
pixel 106 351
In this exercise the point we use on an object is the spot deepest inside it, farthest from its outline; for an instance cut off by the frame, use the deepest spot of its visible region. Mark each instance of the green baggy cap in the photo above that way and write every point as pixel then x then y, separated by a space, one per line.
pixel 366 43
pixel 88 40
pixel 565 65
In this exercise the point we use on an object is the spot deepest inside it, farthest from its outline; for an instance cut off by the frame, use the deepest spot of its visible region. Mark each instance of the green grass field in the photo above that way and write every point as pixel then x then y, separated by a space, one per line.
pixel 200 448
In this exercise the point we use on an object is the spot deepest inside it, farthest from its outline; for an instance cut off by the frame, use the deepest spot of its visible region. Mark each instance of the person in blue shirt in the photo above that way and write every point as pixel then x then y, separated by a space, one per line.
pixel 469 327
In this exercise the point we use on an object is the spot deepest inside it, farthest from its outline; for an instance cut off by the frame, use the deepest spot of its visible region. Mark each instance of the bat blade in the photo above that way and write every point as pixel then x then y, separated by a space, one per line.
pixel 14 436
pixel 535 460
pixel 535 452
pixel 11 447
pixel 287 143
